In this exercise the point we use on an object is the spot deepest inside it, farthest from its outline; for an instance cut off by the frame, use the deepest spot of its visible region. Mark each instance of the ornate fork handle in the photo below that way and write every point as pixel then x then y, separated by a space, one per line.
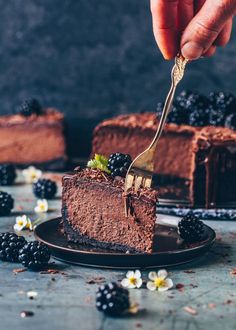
pixel 177 74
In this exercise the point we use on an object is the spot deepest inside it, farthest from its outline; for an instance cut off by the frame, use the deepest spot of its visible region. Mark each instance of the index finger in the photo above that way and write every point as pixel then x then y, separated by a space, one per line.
pixel 164 18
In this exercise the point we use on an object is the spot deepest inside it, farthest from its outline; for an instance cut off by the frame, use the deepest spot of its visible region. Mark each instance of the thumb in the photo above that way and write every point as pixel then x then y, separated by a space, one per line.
pixel 204 28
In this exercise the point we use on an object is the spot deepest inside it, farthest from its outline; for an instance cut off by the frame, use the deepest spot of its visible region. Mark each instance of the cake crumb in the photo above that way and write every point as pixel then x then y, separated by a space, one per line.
pixel 233 272
pixel 190 310
pixel 19 270
pixel 96 280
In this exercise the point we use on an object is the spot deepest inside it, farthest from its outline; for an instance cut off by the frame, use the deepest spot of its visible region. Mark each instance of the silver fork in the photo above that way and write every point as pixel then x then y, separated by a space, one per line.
pixel 141 169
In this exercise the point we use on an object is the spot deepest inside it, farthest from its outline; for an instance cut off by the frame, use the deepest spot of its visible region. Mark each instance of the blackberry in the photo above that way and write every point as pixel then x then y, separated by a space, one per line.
pixel 178 115
pixel 118 164
pixel 34 255
pixel 223 102
pixel 230 121
pixel 10 245
pixel 30 106
pixel 6 203
pixel 182 98
pixel 183 104
pixel 7 174
pixel 112 299
pixel 190 228
pixel 45 188
pixel 197 101
pixel 216 117
pixel 199 117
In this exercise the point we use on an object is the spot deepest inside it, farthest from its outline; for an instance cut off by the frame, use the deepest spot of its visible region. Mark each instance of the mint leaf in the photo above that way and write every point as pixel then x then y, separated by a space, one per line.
pixel 99 162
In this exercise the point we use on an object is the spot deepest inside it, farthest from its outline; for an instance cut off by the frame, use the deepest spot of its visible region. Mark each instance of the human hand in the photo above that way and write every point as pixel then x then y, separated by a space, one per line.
pixel 194 27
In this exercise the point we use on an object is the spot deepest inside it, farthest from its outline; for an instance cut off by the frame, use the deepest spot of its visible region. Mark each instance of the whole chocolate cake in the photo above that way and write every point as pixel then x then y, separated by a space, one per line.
pixel 33 137
pixel 195 160
pixel 93 212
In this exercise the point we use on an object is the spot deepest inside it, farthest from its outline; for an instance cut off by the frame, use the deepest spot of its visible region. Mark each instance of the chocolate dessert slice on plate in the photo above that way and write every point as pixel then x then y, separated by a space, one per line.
pixel 93 212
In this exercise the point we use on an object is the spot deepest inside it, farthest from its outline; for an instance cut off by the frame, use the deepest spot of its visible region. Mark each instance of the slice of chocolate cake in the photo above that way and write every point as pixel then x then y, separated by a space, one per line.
pixel 193 164
pixel 93 212
pixel 33 139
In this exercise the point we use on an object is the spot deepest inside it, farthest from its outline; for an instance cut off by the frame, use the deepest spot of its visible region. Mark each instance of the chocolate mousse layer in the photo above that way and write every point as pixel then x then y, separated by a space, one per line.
pixel 194 164
pixel 37 140
pixel 93 212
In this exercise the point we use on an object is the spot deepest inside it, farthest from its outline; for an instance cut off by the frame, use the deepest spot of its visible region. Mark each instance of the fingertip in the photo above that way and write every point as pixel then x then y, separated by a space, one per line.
pixel 192 50
pixel 168 57
pixel 168 43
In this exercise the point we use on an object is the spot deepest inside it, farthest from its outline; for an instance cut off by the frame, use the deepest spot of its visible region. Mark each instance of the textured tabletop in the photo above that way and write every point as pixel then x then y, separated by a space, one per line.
pixel 205 295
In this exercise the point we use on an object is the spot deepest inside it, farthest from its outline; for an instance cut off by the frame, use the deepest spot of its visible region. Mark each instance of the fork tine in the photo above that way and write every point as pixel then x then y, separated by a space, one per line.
pixel 129 181
pixel 147 182
pixel 138 182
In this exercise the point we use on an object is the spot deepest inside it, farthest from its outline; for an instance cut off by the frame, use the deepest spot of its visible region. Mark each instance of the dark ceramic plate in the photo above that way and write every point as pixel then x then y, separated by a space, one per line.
pixel 169 250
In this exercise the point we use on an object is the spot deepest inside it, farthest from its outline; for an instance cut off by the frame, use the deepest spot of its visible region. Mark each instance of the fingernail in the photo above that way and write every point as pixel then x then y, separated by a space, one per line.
pixel 191 50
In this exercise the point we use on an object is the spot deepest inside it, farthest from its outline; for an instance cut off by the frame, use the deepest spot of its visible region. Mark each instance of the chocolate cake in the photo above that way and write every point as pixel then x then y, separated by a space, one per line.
pixel 33 139
pixel 192 164
pixel 93 212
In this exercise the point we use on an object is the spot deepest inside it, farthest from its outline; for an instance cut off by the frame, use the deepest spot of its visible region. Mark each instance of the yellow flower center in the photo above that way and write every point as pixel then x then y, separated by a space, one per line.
pixel 160 282
pixel 133 280
pixel 20 222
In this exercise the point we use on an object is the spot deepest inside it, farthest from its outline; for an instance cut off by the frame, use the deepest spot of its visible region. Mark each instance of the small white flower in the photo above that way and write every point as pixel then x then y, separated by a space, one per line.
pixel 42 206
pixel 23 222
pixel 31 174
pixel 132 280
pixel 159 281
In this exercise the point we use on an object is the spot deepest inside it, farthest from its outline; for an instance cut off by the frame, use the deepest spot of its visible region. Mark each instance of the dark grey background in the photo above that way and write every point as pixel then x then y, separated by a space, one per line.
pixel 92 59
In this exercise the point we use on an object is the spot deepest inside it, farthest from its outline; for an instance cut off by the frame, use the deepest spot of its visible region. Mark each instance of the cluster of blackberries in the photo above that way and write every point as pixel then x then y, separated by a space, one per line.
pixel 45 188
pixel 112 299
pixel 118 164
pixel 192 108
pixel 33 255
pixel 190 228
pixel 29 107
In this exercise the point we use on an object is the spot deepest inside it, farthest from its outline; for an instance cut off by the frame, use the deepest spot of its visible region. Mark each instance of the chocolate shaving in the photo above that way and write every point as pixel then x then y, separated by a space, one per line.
pixel 190 310
pixel 52 271
pixel 19 270
pixel 233 272
pixel 194 285
pixel 180 287
pixel 212 305
pixel 189 271
pixel 96 280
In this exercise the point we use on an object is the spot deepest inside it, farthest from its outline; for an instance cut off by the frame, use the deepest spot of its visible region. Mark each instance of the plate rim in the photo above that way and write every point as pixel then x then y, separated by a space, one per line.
pixel 113 253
